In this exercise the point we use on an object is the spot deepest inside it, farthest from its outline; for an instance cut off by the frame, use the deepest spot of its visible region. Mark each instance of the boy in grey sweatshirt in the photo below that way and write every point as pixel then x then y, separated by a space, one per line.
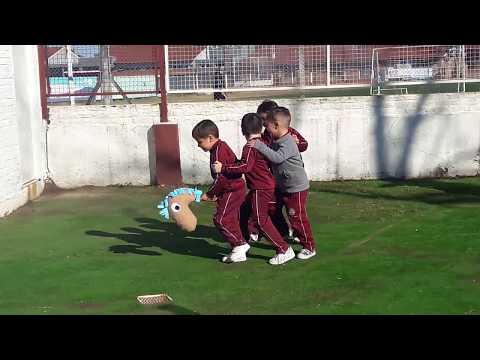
pixel 290 176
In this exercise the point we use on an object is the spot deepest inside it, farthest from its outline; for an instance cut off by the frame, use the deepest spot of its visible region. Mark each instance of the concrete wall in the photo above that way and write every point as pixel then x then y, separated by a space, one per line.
pixel 29 113
pixel 10 173
pixel 349 138
pixel 100 145
pixel 21 148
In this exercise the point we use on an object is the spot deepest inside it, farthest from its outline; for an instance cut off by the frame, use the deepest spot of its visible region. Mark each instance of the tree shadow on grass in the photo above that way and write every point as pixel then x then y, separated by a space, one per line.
pixel 447 192
pixel 166 236
pixel 453 187
pixel 396 173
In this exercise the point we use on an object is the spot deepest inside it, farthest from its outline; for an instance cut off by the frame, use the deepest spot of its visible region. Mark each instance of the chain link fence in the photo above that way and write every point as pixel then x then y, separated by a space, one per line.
pixel 426 64
pixel 107 71
pixel 206 68
pixel 266 67
pixel 85 72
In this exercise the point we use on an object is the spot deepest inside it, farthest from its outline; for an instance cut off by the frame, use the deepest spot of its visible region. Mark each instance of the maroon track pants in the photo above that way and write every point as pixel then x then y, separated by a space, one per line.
pixel 275 211
pixel 297 216
pixel 227 217
pixel 261 201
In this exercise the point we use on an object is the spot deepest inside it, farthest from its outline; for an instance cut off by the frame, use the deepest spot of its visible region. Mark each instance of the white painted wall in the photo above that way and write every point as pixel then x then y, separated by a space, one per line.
pixel 10 172
pixel 29 112
pixel 21 140
pixel 349 137
pixel 100 145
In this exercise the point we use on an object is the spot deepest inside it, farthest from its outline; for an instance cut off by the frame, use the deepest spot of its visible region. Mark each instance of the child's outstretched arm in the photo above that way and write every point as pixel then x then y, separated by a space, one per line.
pixel 216 188
pixel 226 155
pixel 284 152
pixel 205 197
pixel 299 139
pixel 243 166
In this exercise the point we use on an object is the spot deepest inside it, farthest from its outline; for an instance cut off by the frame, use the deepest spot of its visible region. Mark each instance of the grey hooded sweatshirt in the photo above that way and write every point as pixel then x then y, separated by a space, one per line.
pixel 287 164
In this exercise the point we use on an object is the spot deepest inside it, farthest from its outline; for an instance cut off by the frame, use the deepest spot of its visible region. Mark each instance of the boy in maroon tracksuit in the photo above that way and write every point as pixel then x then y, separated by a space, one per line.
pixel 263 109
pixel 276 206
pixel 290 176
pixel 227 190
pixel 261 183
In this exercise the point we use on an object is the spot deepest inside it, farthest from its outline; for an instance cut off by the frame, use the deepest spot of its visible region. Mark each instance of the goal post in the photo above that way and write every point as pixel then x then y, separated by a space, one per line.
pixel 393 68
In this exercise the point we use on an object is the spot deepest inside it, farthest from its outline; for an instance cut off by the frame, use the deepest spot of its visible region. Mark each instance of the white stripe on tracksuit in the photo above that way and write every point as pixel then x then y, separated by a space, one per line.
pixel 307 241
pixel 258 221
pixel 217 175
pixel 245 164
pixel 220 221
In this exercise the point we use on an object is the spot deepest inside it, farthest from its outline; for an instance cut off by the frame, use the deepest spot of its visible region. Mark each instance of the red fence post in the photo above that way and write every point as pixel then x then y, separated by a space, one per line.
pixel 42 71
pixel 167 146
pixel 163 87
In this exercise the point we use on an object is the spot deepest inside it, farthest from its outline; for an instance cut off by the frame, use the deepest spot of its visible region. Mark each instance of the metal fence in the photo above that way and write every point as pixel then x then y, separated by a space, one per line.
pixel 405 65
pixel 246 67
pixel 107 71
pixel 268 67
pixel 116 71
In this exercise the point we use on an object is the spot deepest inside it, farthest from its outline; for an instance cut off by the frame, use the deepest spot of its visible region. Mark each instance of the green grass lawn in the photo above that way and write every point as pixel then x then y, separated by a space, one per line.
pixel 383 248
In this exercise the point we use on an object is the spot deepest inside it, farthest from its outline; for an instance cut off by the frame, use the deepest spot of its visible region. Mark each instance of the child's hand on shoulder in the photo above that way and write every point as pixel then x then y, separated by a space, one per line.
pixel 251 143
pixel 295 137
pixel 217 167
pixel 205 197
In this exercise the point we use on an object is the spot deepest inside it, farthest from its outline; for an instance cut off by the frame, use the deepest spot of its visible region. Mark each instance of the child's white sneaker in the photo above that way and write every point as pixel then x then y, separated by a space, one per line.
pixel 234 257
pixel 305 254
pixel 282 258
pixel 243 249
pixel 238 254
pixel 254 237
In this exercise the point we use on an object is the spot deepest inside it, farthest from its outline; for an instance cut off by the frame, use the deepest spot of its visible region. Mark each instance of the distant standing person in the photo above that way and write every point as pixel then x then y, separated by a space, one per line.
pixel 219 83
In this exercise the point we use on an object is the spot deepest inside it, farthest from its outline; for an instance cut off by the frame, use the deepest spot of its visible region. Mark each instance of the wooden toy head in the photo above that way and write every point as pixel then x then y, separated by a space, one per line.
pixel 179 211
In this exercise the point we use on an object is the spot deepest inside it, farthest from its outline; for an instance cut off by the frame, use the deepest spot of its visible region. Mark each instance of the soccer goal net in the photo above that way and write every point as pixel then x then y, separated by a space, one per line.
pixel 394 68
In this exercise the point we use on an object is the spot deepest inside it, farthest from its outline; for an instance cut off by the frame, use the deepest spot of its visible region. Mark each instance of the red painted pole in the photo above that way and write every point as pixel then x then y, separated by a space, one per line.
pixel 163 87
pixel 42 69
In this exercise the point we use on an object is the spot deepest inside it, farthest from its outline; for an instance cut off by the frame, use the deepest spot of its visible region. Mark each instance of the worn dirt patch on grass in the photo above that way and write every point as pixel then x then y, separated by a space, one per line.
pixel 80 193
pixel 87 306
pixel 369 237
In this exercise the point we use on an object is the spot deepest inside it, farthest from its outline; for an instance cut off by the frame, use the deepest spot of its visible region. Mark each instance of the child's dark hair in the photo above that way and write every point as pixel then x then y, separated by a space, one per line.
pixel 251 124
pixel 281 111
pixel 204 128
pixel 266 106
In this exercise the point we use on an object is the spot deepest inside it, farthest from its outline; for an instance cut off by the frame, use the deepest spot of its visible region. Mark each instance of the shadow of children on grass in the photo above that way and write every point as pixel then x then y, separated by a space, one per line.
pixel 201 232
pixel 169 237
